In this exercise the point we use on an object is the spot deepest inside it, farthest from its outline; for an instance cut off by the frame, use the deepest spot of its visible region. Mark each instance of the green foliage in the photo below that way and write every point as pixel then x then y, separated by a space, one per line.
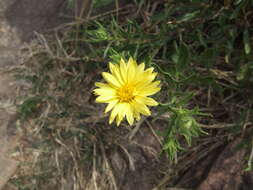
pixel 71 3
pixel 194 45
pixel 101 3
pixel 201 50
pixel 181 123
pixel 29 106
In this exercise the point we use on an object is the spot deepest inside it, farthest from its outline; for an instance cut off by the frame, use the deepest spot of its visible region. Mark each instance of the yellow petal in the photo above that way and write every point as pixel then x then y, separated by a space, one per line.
pixel 141 67
pixel 156 83
pixel 150 70
pixel 131 70
pixel 145 80
pixel 111 105
pixel 146 100
pixel 140 107
pixel 105 91
pixel 112 67
pixel 139 72
pixel 137 116
pixel 133 62
pixel 116 72
pixel 123 70
pixel 102 85
pixel 114 113
pixel 129 114
pixel 118 120
pixel 121 113
pixel 104 99
pixel 144 110
pixel 111 79
pixel 149 90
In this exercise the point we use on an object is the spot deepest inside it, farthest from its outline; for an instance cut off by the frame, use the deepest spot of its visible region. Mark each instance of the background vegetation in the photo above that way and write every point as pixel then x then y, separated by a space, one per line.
pixel 202 52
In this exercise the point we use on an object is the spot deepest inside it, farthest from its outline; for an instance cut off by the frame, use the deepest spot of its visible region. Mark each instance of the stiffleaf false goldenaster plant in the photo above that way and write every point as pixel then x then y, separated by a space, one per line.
pixel 126 91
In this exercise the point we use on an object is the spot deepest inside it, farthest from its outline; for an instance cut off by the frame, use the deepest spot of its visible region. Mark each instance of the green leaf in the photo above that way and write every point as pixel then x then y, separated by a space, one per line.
pixel 243 72
pixel 240 4
pixel 29 106
pixel 175 58
pixel 237 2
pixel 208 57
pixel 201 39
pixel 246 40
pixel 101 3
pixel 249 168
pixel 183 55
pixel 188 16
pixel 71 4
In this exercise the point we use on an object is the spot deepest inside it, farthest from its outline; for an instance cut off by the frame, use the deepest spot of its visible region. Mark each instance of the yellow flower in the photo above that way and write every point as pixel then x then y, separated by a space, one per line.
pixel 126 91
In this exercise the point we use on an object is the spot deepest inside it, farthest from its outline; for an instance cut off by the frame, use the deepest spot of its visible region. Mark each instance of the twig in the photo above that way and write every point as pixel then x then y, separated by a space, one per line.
pixel 222 125
pixel 153 132
pixel 60 44
pixel 246 122
pixel 71 153
pixel 131 160
pixel 94 173
pixel 136 129
pixel 108 167
pixel 251 155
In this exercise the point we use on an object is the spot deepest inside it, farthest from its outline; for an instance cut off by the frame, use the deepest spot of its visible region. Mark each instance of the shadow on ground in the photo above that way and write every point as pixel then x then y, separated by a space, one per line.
pixel 29 16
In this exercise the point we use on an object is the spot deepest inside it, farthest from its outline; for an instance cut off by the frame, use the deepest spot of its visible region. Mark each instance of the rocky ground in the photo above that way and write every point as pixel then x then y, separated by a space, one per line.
pixel 19 20
pixel 9 46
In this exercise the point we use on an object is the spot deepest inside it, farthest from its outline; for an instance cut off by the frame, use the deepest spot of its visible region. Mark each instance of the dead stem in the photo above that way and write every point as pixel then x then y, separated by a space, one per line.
pixel 94 167
pixel 153 132
pixel 133 132
pixel 223 125
pixel 108 167
pixel 130 159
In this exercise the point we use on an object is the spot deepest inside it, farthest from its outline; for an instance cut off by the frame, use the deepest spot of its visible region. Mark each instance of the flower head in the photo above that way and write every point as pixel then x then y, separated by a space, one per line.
pixel 126 91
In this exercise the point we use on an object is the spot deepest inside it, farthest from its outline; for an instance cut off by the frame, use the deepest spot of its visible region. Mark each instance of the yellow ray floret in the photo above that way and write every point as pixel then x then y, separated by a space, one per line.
pixel 126 91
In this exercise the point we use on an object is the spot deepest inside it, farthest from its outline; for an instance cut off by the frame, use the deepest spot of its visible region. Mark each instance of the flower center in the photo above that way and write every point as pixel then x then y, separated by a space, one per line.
pixel 126 93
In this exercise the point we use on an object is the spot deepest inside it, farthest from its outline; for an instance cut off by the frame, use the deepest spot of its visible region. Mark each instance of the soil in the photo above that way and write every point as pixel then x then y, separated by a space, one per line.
pixel 8 139
pixel 222 169
pixel 29 16
pixel 140 170
pixel 19 20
